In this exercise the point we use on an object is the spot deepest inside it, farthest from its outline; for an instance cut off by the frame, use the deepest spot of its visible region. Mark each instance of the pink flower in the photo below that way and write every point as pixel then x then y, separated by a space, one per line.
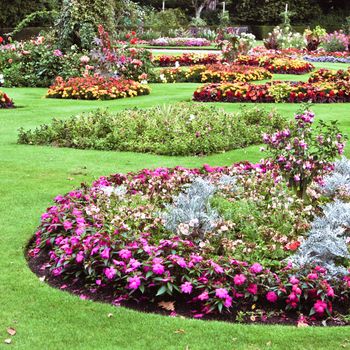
pixel 228 302
pixel 239 279
pixel 158 269
pixel 57 53
pixel 110 272
pixel 186 288
pixel 252 289
pixel 125 254
pixel 203 296
pixel 221 293
pixel 312 276
pixel 293 280
pixel 256 268
pixel 67 225
pixel 80 257
pixel 105 253
pixel 320 307
pixel 134 282
pixel 271 297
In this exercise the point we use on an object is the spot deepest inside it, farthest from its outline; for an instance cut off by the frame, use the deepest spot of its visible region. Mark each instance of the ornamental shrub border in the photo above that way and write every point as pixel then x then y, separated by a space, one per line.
pixel 5 100
pixel 96 88
pixel 73 240
pixel 213 73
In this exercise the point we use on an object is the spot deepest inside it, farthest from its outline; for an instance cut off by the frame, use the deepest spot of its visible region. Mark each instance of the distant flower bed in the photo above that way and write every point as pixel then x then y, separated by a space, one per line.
pixel 214 73
pixel 5 101
pixel 278 64
pixel 180 42
pixel 96 88
pixel 326 75
pixel 187 59
pixel 183 129
pixel 277 91
pixel 326 58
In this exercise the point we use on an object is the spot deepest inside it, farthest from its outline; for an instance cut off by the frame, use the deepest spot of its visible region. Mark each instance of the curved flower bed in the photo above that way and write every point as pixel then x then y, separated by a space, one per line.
pixel 180 42
pixel 187 59
pixel 277 64
pixel 113 239
pixel 214 73
pixel 96 88
pixel 277 91
pixel 5 101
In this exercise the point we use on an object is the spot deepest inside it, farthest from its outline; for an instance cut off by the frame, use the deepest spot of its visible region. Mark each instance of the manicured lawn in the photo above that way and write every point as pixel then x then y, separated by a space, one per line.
pixel 46 318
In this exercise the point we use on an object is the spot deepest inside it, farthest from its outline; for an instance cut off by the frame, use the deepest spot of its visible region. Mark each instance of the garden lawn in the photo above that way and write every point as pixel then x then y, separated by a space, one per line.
pixel 46 318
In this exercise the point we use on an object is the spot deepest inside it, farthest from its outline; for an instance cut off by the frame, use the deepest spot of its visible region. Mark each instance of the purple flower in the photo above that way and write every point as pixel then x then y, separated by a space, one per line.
pixel 158 269
pixel 110 272
pixel 221 293
pixel 256 268
pixel 125 254
pixel 134 282
pixel 239 279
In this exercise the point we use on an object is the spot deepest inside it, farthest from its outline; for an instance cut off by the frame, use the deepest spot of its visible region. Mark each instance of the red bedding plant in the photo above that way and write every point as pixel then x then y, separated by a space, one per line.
pixel 121 237
pixel 96 88
pixel 5 101
pixel 277 91
pixel 214 73
pixel 326 75
pixel 186 59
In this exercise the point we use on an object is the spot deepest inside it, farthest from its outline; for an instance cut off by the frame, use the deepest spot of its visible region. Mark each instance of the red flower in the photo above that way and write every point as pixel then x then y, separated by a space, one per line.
pixel 292 246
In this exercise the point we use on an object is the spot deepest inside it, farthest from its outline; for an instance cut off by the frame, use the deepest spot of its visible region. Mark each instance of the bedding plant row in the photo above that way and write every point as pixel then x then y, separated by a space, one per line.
pixel 324 86
pixel 210 240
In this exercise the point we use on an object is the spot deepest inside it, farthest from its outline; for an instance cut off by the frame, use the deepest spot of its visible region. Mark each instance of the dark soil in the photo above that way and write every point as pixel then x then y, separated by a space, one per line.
pixel 77 286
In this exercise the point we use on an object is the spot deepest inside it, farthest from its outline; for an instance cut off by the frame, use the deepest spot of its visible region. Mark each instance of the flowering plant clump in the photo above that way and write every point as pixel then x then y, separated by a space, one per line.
pixel 314 37
pixel 180 129
pixel 5 101
pixel 96 88
pixel 113 238
pixel 214 73
pixel 127 62
pixel 303 152
pixel 276 91
pixel 186 59
pixel 334 42
pixel 180 42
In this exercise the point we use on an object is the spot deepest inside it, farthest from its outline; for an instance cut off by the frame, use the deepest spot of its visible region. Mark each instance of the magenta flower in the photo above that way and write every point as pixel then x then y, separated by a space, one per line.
pixel 252 289
pixel 228 302
pixel 57 53
pixel 134 282
pixel 312 276
pixel 158 269
pixel 80 257
pixel 67 225
pixel 271 297
pixel 256 268
pixel 110 272
pixel 239 279
pixel 221 293
pixel 204 296
pixel 186 288
pixel 105 253
pixel 293 280
pixel 320 307
pixel 125 254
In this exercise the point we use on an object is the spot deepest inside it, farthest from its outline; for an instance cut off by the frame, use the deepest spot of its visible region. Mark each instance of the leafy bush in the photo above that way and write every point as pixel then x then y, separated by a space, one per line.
pixel 182 129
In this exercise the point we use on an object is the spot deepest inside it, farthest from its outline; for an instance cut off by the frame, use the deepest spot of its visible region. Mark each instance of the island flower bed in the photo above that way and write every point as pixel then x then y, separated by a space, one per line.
pixel 96 88
pixel 214 73
pixel 176 238
pixel 180 42
pixel 5 100
pixel 276 91
pixel 187 59
pixel 277 64
pixel 327 75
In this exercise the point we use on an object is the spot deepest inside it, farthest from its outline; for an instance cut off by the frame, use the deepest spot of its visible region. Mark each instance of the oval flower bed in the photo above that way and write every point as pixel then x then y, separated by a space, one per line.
pixel 211 241
pixel 5 101
pixel 180 42
pixel 96 88
pixel 276 91
pixel 214 73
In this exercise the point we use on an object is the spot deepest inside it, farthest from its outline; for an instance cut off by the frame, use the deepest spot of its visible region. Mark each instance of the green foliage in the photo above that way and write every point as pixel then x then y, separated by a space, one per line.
pixel 183 129
pixel 79 19
pixel 14 11
pixel 171 18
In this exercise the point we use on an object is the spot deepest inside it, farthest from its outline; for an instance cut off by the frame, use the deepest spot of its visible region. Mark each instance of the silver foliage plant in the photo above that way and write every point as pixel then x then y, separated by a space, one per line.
pixel 326 244
pixel 191 213
pixel 339 179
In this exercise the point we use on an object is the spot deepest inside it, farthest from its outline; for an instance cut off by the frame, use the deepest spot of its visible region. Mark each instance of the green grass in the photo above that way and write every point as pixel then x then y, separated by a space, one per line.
pixel 46 318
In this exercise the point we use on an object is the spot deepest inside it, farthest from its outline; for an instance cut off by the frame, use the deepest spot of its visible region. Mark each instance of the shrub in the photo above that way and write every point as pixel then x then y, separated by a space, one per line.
pixel 183 129
pixel 337 41
pixel 96 88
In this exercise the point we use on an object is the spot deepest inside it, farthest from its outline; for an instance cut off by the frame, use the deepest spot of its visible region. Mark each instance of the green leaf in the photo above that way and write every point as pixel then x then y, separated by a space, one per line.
pixel 161 290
